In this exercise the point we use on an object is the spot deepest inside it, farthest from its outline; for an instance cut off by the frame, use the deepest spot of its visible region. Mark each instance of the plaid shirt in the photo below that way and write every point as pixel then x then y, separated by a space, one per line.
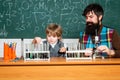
pixel 105 38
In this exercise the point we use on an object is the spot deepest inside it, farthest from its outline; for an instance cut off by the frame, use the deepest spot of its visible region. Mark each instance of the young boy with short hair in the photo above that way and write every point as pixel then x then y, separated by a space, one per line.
pixel 53 38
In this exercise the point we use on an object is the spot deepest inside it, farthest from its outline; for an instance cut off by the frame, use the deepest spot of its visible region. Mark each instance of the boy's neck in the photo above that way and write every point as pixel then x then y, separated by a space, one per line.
pixel 53 45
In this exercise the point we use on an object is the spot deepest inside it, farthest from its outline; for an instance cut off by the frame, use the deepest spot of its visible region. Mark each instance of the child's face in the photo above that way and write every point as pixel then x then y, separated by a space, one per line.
pixel 52 39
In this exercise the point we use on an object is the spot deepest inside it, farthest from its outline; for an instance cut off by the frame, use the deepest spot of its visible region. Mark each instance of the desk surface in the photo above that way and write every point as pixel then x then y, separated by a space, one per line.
pixel 59 69
pixel 61 61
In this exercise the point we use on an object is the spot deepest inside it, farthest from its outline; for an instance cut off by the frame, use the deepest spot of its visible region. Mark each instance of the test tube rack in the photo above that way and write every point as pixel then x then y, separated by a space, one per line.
pixel 76 55
pixel 76 52
pixel 39 52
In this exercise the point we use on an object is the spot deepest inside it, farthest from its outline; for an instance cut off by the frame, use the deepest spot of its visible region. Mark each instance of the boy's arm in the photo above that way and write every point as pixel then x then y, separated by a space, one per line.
pixel 37 40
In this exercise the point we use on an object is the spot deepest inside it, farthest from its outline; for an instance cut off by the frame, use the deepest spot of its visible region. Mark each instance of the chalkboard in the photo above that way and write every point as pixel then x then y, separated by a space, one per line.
pixel 29 18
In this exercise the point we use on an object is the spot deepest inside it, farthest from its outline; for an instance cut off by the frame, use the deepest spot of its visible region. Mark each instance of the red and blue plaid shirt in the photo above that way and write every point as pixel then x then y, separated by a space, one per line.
pixel 105 38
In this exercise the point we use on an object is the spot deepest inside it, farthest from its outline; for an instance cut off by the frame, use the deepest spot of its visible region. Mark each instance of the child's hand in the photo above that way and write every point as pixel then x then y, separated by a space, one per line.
pixel 62 49
pixel 36 40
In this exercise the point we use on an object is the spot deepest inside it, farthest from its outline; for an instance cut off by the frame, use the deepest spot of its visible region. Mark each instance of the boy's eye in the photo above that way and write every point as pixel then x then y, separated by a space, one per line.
pixel 54 36
pixel 49 35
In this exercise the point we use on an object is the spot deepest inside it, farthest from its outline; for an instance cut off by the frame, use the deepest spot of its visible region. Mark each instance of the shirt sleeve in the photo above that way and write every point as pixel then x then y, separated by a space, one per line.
pixel 116 44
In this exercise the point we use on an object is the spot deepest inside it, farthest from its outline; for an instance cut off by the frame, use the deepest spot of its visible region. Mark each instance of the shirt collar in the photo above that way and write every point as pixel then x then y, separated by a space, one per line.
pixel 53 45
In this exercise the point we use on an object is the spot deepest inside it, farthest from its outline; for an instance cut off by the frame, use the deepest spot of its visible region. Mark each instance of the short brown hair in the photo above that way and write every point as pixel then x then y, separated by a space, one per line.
pixel 54 30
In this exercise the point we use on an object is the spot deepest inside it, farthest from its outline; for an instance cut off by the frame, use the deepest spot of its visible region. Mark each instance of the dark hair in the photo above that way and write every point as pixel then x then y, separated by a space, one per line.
pixel 96 8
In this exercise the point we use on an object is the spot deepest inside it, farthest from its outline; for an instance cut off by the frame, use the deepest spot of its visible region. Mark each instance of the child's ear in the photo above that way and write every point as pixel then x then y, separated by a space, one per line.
pixel 59 38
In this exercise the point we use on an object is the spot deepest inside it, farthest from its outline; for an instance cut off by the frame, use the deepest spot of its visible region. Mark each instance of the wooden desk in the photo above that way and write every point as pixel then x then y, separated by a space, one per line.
pixel 59 69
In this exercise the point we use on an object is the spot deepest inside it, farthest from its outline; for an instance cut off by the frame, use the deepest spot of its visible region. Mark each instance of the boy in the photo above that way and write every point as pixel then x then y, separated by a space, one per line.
pixel 53 37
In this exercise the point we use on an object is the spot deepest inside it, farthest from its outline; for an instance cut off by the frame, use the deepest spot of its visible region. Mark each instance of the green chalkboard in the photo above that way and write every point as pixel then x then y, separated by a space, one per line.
pixel 29 18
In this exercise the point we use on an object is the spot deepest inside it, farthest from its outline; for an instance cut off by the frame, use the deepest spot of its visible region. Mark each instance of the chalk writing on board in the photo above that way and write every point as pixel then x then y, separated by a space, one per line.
pixel 3 32
pixel 29 18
